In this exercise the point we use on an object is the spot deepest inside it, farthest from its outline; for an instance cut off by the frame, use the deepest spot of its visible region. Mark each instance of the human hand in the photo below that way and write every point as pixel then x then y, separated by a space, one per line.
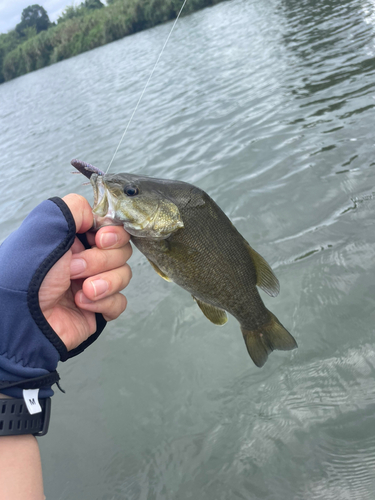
pixel 85 282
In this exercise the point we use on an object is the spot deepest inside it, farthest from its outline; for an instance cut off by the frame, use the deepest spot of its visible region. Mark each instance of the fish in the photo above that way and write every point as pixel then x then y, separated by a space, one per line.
pixel 190 241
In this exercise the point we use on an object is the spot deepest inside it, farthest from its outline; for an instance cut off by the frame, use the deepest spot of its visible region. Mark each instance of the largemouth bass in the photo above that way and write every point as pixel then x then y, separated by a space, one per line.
pixel 189 240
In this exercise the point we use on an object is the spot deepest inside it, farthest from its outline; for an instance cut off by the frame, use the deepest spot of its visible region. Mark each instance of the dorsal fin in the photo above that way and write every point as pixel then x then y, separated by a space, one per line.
pixel 266 280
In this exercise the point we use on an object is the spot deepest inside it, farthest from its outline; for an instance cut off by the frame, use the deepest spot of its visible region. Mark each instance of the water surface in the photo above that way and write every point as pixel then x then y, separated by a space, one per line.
pixel 269 107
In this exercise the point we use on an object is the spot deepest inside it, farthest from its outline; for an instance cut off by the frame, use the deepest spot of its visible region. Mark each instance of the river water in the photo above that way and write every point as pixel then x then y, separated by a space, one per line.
pixel 269 107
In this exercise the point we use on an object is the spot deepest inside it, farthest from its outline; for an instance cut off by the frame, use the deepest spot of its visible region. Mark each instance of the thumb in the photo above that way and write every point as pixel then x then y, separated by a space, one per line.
pixel 81 211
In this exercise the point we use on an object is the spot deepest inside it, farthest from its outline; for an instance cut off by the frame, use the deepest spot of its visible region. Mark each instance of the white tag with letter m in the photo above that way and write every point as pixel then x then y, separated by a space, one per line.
pixel 30 397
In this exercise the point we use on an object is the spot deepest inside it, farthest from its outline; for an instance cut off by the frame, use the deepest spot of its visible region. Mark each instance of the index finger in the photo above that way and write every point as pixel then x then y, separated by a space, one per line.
pixel 111 237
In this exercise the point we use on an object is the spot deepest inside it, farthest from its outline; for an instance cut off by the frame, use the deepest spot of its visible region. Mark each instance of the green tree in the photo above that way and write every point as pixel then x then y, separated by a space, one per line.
pixel 8 42
pixel 30 32
pixel 93 4
pixel 69 13
pixel 33 16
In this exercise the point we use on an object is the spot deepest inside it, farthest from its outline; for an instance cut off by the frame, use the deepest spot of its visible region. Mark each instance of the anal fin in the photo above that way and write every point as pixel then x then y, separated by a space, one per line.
pixel 214 314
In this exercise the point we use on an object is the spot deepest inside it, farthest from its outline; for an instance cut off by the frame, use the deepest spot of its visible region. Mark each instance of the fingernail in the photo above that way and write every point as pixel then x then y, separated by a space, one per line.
pixel 84 300
pixel 107 240
pixel 77 266
pixel 100 286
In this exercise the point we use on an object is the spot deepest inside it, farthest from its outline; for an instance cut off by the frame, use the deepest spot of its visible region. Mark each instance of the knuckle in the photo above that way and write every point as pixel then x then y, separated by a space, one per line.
pixel 122 303
pixel 101 259
pixel 127 252
pixel 125 236
pixel 115 306
pixel 126 276
pixel 129 272
pixel 123 277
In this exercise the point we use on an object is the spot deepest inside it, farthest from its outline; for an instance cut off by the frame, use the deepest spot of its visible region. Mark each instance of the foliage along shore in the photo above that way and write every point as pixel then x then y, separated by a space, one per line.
pixel 85 30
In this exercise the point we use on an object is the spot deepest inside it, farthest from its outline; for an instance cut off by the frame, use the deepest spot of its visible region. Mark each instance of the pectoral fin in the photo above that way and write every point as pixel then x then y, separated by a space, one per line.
pixel 266 280
pixel 214 314
pixel 160 273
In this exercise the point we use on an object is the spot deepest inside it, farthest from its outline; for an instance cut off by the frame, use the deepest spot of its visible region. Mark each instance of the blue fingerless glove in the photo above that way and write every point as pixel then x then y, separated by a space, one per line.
pixel 29 348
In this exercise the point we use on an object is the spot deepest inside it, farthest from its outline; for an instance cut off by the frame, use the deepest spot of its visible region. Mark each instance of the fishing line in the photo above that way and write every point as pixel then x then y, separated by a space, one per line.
pixel 145 87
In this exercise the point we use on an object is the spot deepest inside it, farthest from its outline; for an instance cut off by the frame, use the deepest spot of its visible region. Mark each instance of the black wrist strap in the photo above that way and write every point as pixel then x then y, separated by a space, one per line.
pixel 32 383
pixel 15 418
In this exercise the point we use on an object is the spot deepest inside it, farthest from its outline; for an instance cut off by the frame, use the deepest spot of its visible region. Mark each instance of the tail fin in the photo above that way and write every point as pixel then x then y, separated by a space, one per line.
pixel 262 341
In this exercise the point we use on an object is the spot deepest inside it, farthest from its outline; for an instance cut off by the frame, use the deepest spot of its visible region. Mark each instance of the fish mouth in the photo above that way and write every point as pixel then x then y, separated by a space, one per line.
pixel 104 208
pixel 85 168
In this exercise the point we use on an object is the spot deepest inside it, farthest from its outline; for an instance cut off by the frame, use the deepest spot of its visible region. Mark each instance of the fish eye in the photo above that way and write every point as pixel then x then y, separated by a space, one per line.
pixel 131 190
